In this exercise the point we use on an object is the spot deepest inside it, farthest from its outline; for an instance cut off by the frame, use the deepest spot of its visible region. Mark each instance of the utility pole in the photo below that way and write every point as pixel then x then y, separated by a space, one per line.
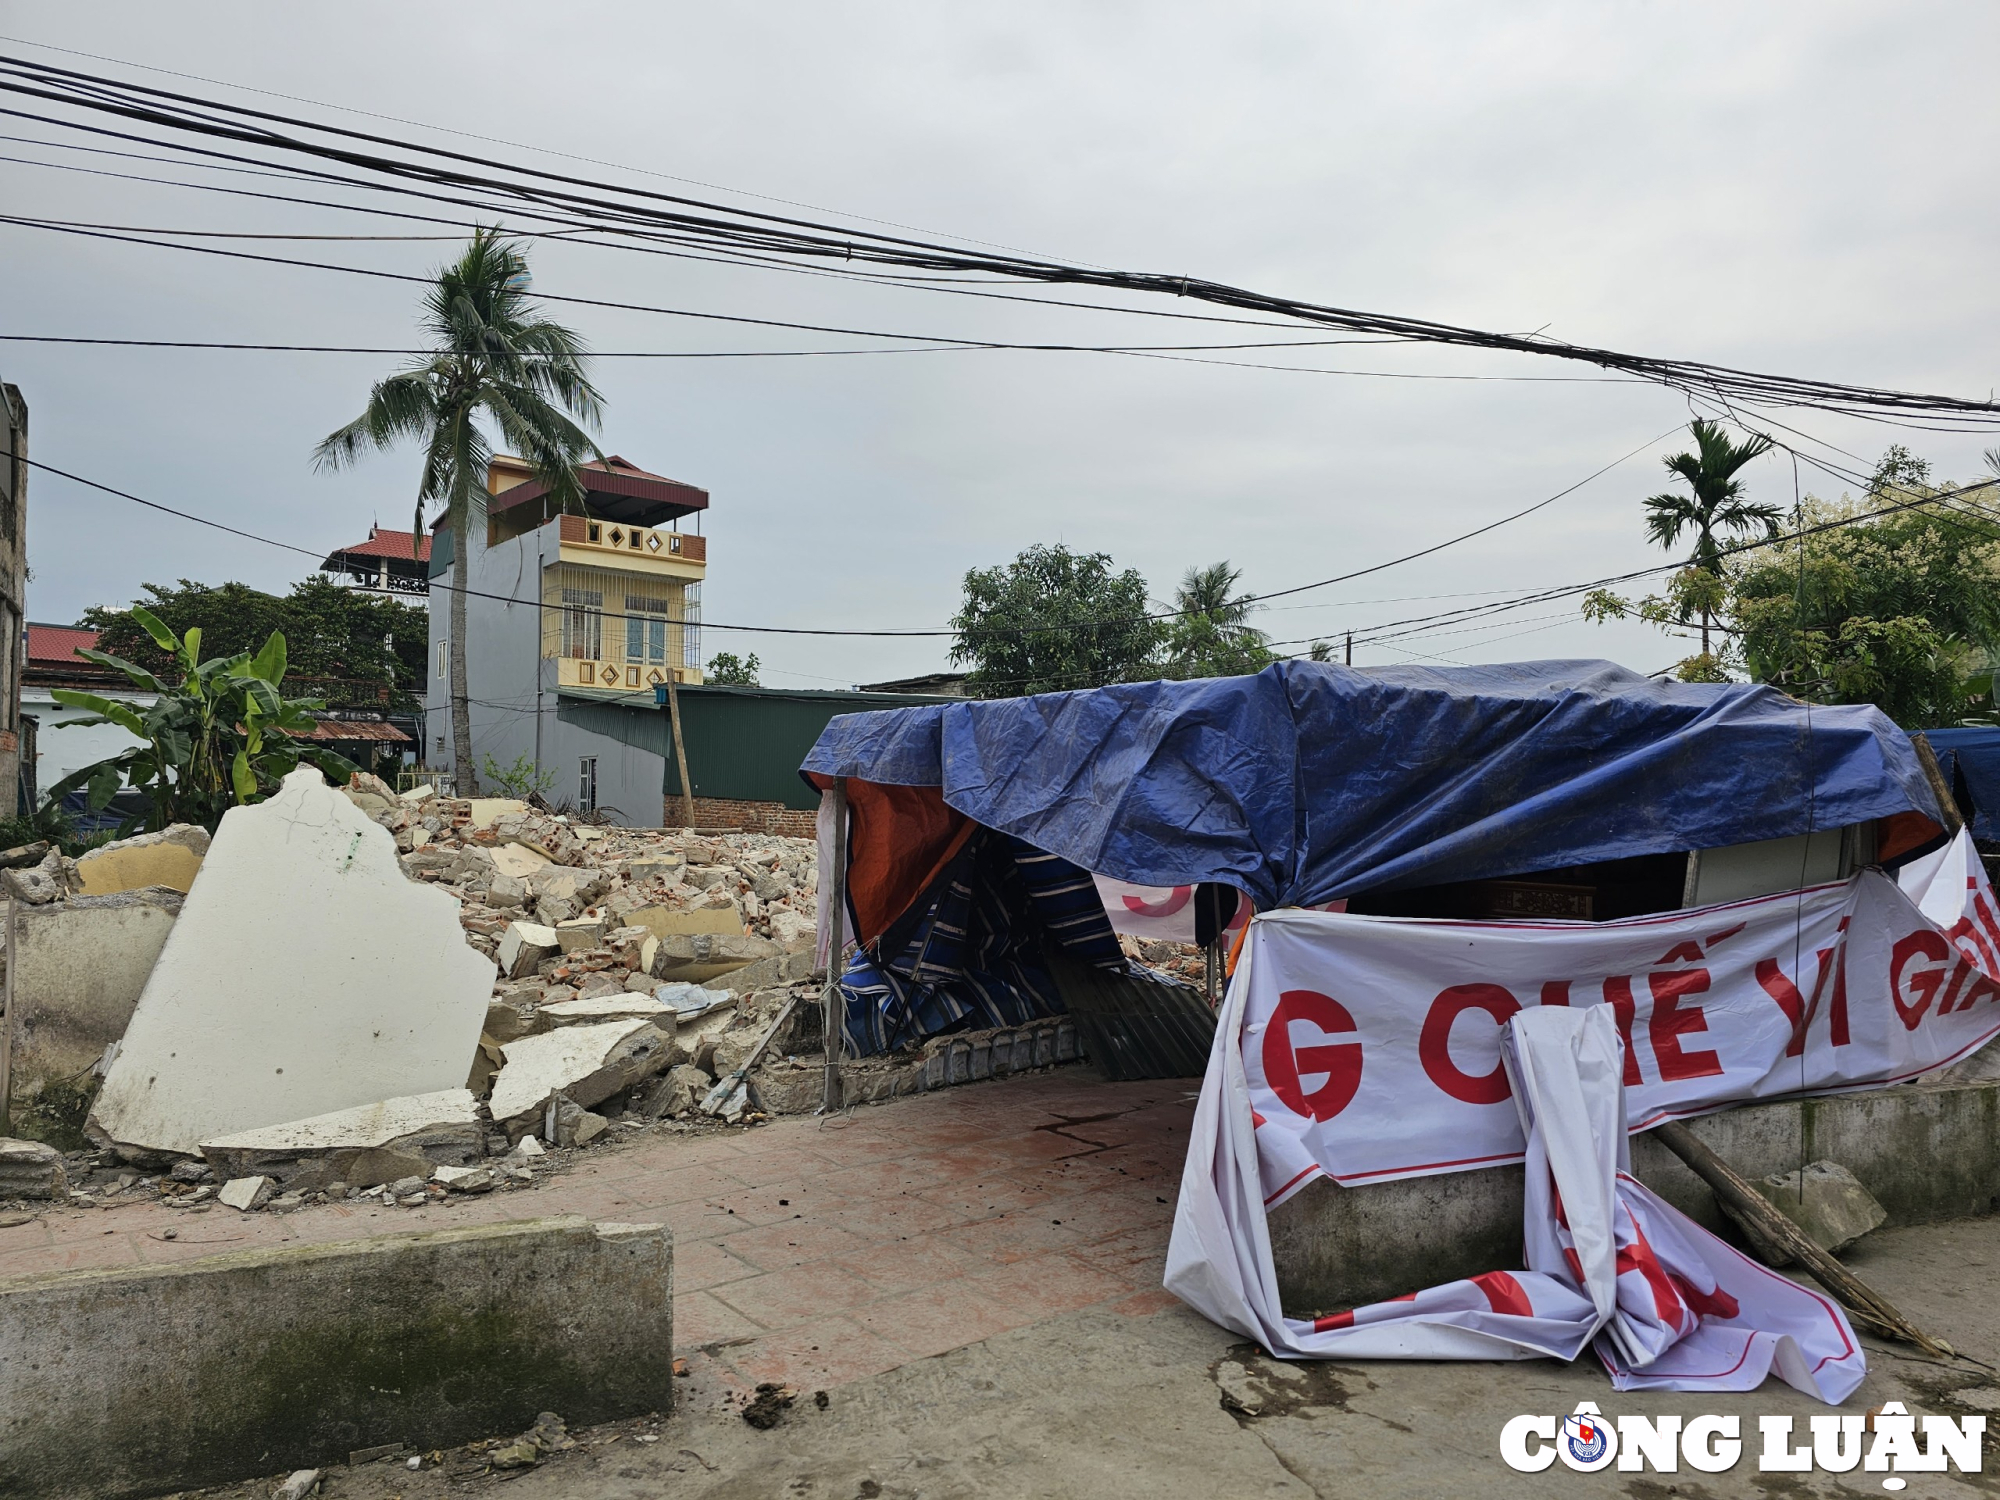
pixel 1350 648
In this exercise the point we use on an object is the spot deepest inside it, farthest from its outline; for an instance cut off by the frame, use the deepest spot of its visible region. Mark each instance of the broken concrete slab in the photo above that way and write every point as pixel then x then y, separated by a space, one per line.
pixel 567 1123
pixel 172 857
pixel 83 963
pixel 41 884
pixel 1825 1200
pixel 579 933
pixel 464 1179
pixel 702 956
pixel 523 946
pixel 486 811
pixel 793 931
pixel 665 922
pixel 246 1193
pixel 619 1007
pixel 438 1127
pixel 674 1092
pixel 553 1314
pixel 586 1063
pixel 31 1169
pixel 305 974
pixel 518 861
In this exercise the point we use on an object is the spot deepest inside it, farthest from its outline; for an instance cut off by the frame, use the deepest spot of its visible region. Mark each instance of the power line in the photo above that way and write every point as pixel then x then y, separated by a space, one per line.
pixel 788 236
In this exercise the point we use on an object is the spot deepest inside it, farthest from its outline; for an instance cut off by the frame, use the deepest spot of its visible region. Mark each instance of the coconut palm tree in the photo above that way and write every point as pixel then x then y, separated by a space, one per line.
pixel 1714 506
pixel 495 362
pixel 1208 636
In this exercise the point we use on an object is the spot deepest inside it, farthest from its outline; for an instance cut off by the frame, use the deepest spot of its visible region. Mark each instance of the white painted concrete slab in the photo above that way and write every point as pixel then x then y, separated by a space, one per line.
pixel 608 1008
pixel 554 1062
pixel 366 1126
pixel 306 975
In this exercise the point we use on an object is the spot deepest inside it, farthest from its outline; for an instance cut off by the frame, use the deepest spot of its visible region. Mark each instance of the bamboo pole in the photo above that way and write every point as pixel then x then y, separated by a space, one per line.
pixel 1868 1307
pixel 836 905
pixel 7 1022
pixel 1934 774
pixel 680 747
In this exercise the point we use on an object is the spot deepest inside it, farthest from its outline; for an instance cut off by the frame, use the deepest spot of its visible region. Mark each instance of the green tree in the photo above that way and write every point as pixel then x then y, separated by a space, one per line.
pixel 1713 509
pixel 727 669
pixel 1053 619
pixel 356 650
pixel 495 361
pixel 218 734
pixel 1208 635
pixel 1899 608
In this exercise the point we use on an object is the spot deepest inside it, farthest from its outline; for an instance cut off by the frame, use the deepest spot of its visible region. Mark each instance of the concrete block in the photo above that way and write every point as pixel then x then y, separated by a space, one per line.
pixel 524 945
pixel 30 1169
pixel 793 931
pixel 442 1126
pixel 585 1063
pixel 578 887
pixel 305 974
pixel 486 811
pixel 83 963
pixel 1825 1200
pixel 246 1193
pixel 618 1007
pixel 579 933
pixel 148 1379
pixel 518 861
pixel 702 956
pixel 170 857
pixel 1925 1151
pixel 665 922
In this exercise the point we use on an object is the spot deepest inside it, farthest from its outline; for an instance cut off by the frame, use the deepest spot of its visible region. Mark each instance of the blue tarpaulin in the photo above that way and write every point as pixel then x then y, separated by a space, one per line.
pixel 1309 782
pixel 1970 757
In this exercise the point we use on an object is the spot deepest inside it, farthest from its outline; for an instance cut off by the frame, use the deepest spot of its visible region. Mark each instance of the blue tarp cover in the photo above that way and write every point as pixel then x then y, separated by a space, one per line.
pixel 1307 782
pixel 1972 756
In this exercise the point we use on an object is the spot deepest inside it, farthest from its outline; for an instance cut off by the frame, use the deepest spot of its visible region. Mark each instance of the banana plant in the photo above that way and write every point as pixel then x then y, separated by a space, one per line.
pixel 221 736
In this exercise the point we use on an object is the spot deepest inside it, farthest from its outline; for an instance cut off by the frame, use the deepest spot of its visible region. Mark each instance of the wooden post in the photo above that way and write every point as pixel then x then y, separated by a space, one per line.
pixel 680 747
pixel 836 905
pixel 1934 774
pixel 7 1022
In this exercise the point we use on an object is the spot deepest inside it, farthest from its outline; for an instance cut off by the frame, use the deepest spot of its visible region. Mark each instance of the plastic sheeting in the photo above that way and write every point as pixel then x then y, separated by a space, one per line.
pixel 1308 782
pixel 1970 759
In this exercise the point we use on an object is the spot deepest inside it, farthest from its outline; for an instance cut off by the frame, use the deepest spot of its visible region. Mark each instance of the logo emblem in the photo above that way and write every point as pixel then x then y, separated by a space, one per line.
pixel 1587 1442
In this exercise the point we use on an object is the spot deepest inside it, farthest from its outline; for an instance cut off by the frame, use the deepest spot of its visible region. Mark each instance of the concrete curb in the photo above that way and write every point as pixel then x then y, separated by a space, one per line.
pixel 152 1379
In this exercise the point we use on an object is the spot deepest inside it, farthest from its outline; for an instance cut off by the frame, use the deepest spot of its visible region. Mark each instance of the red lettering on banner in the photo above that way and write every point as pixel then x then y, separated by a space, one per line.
pixel 1688 952
pixel 1669 1023
pixel 1726 934
pixel 1286 1064
pixel 1556 992
pixel 1832 961
pixel 1985 910
pixel 1790 1001
pixel 1434 1042
pixel 1923 983
pixel 1175 900
pixel 1980 953
pixel 1981 988
pixel 1960 972
pixel 1618 994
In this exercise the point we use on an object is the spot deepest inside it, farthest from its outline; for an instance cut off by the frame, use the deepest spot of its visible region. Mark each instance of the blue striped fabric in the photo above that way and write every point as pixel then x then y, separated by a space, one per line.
pixel 967 955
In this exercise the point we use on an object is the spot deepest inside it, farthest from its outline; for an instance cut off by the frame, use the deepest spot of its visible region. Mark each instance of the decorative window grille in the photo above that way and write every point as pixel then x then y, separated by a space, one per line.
pixel 586 790
pixel 583 623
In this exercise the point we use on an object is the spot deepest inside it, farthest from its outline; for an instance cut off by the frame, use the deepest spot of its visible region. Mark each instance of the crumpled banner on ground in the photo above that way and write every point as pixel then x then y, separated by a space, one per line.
pixel 1370 1046
pixel 1666 1304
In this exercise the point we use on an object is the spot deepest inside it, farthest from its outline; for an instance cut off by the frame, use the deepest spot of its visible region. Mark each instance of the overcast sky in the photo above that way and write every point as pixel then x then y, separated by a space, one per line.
pixel 1797 188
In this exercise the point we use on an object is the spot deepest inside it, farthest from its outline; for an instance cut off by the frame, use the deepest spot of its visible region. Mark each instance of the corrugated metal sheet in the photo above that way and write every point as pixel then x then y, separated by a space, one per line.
pixel 1136 1028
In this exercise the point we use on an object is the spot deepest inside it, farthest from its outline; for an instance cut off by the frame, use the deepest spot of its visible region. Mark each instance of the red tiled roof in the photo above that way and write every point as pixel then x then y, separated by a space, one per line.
pixel 395 545
pixel 357 729
pixel 58 642
pixel 614 476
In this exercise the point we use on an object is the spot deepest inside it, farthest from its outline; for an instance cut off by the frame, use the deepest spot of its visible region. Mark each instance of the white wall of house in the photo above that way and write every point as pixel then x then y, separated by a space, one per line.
pixel 62 745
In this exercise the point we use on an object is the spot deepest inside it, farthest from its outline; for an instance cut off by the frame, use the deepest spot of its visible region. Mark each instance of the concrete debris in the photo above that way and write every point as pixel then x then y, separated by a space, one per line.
pixel 567 1123
pixel 170 858
pixel 442 1126
pixel 579 933
pixel 48 881
pixel 674 1093
pixel 305 975
pixel 1834 1209
pixel 701 956
pixel 301 1484
pixel 30 1169
pixel 247 1193
pixel 619 1006
pixel 528 1145
pixel 83 963
pixel 465 1179
pixel 524 946
pixel 793 931
pixel 586 1063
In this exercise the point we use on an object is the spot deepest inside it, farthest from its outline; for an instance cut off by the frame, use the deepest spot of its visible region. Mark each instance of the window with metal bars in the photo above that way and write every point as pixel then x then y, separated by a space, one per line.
pixel 583 623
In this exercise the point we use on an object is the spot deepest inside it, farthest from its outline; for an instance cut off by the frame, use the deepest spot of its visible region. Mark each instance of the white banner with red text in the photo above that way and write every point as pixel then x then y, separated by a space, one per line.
pixel 1370 1046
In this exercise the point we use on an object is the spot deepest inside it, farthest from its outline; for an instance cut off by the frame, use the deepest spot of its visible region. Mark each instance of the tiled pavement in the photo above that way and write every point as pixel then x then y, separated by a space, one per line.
pixel 806 1251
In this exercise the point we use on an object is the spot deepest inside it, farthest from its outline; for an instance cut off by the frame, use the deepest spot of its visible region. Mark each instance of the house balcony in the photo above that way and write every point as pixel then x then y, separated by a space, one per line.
pixel 627 677
pixel 632 549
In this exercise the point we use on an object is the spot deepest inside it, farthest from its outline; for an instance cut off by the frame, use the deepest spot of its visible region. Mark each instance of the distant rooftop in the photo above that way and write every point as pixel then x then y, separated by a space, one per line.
pixel 939 684
pixel 614 490
pixel 397 546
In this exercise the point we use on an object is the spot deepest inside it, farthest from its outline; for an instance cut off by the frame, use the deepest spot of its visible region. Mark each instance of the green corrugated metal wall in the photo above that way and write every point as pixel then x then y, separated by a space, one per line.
pixel 741 742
